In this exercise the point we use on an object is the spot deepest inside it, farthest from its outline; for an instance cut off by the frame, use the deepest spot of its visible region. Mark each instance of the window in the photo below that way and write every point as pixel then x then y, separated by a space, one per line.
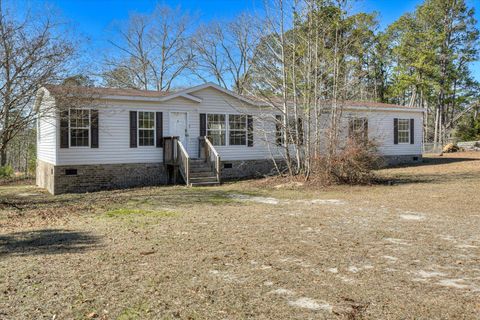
pixel 79 127
pixel 146 129
pixel 216 130
pixel 403 130
pixel 237 129
pixel 292 131
pixel 358 128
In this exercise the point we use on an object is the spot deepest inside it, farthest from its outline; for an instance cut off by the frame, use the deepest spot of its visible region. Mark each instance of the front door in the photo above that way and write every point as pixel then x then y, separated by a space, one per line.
pixel 178 127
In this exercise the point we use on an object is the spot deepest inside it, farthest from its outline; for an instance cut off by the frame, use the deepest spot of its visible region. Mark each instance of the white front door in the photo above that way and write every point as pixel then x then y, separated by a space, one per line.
pixel 178 127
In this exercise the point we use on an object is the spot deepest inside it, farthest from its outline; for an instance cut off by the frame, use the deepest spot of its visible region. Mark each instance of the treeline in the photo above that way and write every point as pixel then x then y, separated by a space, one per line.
pixel 304 55
pixel 421 60
pixel 309 55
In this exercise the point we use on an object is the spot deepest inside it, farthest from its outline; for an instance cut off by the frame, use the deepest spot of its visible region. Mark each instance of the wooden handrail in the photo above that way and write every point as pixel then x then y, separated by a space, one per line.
pixel 184 162
pixel 182 149
pixel 210 150
pixel 210 146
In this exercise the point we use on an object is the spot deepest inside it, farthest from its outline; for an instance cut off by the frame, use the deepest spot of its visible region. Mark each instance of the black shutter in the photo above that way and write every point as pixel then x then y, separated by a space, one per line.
pixel 94 129
pixel 278 129
pixel 395 131
pixel 300 131
pixel 203 124
pixel 133 129
pixel 159 129
pixel 365 129
pixel 250 130
pixel 412 131
pixel 64 129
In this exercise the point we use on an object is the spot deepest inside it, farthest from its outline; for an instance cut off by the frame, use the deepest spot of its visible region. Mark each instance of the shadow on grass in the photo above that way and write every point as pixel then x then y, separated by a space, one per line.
pixel 434 161
pixel 24 203
pixel 46 241
pixel 174 196
pixel 426 178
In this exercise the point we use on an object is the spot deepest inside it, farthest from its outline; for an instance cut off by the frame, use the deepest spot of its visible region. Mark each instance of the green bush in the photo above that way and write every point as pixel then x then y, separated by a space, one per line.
pixel 6 172
pixel 468 129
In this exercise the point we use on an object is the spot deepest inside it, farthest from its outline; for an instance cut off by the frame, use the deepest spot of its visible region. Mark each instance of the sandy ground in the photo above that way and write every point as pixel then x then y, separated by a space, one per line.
pixel 410 250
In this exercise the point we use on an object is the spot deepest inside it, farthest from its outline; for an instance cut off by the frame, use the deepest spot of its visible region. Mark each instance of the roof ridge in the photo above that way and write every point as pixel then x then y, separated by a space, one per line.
pixel 59 88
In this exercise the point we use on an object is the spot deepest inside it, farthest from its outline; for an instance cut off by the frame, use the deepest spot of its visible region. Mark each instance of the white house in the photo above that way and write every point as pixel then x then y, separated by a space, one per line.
pixel 125 137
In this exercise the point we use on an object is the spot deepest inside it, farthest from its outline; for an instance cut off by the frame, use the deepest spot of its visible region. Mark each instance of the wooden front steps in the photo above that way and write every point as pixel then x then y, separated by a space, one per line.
pixel 202 173
pixel 194 172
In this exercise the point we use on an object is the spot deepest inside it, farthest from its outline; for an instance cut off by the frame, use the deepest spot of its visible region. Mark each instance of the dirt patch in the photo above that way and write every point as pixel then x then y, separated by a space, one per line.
pixel 401 251
pixel 410 216
pixel 311 304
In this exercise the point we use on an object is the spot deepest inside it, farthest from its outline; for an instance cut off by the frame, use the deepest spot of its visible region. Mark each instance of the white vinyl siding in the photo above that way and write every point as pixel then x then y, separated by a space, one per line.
pixel 47 124
pixel 381 131
pixel 114 130
pixel 263 126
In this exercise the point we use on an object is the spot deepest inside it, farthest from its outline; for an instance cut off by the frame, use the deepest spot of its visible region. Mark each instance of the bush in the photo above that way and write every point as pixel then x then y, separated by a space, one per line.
pixel 450 148
pixel 6 172
pixel 352 165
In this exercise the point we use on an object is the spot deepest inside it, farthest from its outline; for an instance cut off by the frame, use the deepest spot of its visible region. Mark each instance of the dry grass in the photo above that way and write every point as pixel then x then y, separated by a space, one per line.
pixel 402 251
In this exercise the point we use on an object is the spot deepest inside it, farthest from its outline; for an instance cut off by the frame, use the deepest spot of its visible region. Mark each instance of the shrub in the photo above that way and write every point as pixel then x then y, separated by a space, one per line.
pixel 354 164
pixel 6 172
pixel 450 148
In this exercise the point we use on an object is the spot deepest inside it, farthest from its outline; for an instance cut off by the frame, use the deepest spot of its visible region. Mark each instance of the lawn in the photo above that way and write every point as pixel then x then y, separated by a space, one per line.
pixel 409 249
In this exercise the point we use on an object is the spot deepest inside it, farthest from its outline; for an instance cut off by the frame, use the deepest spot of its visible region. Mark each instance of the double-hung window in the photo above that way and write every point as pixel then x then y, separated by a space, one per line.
pixel 79 127
pixel 359 128
pixel 146 128
pixel 216 129
pixel 403 130
pixel 237 125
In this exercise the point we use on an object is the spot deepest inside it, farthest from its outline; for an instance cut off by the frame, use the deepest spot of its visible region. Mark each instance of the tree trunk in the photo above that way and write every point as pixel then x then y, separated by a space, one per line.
pixel 3 155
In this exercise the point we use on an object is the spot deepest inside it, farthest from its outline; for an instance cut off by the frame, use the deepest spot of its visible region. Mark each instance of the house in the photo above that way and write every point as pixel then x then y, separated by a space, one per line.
pixel 117 138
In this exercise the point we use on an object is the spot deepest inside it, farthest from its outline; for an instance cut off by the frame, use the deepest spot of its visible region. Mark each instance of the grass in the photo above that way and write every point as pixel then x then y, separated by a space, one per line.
pixel 136 312
pixel 402 251
pixel 127 212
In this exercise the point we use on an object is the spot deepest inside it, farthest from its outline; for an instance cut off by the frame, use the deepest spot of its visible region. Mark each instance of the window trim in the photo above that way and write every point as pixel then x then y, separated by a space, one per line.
pixel 153 129
pixel 280 140
pixel 406 130
pixel 238 130
pixel 362 132
pixel 226 130
pixel 70 128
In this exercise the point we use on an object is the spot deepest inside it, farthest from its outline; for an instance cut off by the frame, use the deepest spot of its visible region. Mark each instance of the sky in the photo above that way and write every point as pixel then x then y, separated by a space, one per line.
pixel 92 19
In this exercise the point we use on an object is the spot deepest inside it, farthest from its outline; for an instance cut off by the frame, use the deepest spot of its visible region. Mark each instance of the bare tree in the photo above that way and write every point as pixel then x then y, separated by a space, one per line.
pixel 303 66
pixel 32 53
pixel 152 50
pixel 224 51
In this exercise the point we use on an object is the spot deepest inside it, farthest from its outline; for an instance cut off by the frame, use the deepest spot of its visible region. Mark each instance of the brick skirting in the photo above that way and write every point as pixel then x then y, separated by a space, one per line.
pixel 95 177
pixel 87 178
pixel 403 159
pixel 241 169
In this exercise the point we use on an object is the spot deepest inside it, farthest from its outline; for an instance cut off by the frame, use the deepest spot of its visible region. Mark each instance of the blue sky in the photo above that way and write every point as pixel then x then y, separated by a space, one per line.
pixel 93 18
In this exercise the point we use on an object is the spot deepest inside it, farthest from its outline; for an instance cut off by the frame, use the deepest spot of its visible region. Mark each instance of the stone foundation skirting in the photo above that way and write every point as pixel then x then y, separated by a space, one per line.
pixel 403 159
pixel 241 169
pixel 88 178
